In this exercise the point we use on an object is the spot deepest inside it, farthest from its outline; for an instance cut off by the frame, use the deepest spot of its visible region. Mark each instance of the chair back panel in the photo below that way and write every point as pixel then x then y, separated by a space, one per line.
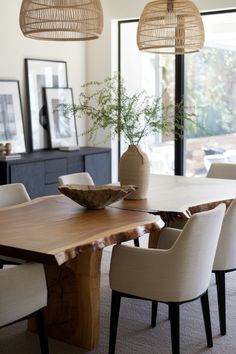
pixel 23 291
pixel 225 258
pixel 13 194
pixel 178 274
pixel 222 170
pixel 195 251
pixel 75 178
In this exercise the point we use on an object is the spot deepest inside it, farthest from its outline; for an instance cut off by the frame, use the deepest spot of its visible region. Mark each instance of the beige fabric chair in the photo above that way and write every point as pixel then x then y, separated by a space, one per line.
pixel 174 276
pixel 12 194
pixel 23 294
pixel 222 170
pixel 225 260
pixel 75 178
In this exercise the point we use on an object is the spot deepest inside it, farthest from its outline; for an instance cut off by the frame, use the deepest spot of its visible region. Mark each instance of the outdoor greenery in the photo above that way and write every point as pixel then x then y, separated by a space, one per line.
pixel 211 84
pixel 109 106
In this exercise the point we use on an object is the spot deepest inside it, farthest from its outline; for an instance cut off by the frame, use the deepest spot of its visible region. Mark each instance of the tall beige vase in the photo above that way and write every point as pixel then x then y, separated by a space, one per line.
pixel 135 169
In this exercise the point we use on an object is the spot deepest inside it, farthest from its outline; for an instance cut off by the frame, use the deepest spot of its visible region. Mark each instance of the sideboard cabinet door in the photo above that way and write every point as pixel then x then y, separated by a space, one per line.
pixel 31 175
pixel 99 167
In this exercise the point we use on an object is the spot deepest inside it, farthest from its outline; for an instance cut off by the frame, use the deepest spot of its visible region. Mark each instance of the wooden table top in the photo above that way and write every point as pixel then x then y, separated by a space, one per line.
pixel 55 229
pixel 179 194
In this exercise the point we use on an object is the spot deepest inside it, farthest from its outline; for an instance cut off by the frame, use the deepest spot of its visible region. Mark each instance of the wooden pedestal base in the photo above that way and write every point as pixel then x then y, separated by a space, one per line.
pixel 73 309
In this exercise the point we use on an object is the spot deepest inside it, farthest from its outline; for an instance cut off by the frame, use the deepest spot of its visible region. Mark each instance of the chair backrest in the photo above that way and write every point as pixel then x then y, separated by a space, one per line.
pixel 12 194
pixel 181 273
pixel 225 258
pixel 222 170
pixel 23 291
pixel 75 178
pixel 194 253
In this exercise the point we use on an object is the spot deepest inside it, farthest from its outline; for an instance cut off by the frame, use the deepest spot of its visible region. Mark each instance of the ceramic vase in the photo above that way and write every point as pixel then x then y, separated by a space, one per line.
pixel 135 169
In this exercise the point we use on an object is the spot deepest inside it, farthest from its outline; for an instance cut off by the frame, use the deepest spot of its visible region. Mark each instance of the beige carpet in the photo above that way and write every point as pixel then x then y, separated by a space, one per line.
pixel 134 334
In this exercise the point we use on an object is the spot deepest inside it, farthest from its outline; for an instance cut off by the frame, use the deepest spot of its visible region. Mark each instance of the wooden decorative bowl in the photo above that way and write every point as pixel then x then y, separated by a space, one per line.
pixel 96 197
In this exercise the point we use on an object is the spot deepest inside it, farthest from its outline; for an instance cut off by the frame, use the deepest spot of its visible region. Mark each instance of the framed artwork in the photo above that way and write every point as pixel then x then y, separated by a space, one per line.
pixel 40 74
pixel 62 128
pixel 11 120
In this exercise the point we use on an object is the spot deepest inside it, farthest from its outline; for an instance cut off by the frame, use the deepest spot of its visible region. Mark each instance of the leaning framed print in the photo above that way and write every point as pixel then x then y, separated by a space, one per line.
pixel 11 120
pixel 62 127
pixel 40 74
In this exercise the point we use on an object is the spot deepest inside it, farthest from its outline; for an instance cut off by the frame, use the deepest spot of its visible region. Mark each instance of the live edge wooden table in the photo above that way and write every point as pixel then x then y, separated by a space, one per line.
pixel 69 240
pixel 176 198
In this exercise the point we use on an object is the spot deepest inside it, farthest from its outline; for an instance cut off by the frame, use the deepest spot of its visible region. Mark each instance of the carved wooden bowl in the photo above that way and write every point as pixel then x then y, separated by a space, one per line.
pixel 96 197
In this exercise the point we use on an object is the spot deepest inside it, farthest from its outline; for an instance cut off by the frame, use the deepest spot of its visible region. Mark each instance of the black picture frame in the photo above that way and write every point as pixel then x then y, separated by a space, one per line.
pixel 62 127
pixel 42 73
pixel 11 117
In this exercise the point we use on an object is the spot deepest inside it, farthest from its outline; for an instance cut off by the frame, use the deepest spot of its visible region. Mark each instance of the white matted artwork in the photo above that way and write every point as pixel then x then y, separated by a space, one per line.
pixel 11 122
pixel 62 127
pixel 40 74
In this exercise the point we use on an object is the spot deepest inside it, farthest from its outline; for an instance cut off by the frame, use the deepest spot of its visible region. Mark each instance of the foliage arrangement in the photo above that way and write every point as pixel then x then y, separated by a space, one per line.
pixel 109 106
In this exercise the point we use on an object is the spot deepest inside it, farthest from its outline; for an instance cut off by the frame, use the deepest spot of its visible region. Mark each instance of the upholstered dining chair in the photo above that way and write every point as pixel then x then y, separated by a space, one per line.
pixel 173 276
pixel 23 295
pixel 222 170
pixel 76 178
pixel 12 194
pixel 224 262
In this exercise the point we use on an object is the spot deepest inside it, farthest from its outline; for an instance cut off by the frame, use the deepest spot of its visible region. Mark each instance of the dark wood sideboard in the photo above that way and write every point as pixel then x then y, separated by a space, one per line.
pixel 39 171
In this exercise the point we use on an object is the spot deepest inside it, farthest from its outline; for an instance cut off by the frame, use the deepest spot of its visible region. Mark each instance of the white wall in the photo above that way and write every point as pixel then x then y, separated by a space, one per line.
pixel 99 52
pixel 15 47
pixel 100 58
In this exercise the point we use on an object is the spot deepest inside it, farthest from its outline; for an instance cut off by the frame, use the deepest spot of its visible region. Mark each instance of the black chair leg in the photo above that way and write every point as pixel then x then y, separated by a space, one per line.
pixel 207 318
pixel 220 283
pixel 42 331
pixel 114 317
pixel 136 242
pixel 174 325
pixel 154 313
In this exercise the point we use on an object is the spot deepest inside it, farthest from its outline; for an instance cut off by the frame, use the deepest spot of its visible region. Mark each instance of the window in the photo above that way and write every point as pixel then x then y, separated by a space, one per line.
pixel 209 83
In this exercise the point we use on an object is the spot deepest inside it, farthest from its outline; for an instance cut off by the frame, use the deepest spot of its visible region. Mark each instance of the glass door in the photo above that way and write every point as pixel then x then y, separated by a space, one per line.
pixel 210 86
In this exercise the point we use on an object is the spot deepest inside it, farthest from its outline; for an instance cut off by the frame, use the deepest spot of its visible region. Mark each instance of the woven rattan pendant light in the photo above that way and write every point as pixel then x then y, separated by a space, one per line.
pixel 170 27
pixel 61 20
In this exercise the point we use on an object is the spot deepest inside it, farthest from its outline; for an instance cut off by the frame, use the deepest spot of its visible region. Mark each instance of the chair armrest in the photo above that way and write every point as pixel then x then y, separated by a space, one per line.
pixel 167 237
pixel 148 273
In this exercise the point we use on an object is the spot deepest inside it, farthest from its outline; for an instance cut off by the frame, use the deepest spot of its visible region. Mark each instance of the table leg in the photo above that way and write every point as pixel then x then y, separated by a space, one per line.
pixel 153 237
pixel 73 311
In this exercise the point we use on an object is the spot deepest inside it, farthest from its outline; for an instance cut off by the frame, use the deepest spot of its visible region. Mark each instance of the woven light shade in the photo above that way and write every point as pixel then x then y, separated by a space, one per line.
pixel 170 27
pixel 61 20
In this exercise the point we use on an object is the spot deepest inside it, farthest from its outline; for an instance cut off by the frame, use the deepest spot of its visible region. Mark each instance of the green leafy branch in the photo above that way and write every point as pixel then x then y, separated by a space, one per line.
pixel 109 106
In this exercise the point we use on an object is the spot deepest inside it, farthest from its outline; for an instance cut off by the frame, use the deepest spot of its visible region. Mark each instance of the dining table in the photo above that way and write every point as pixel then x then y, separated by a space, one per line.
pixel 69 239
